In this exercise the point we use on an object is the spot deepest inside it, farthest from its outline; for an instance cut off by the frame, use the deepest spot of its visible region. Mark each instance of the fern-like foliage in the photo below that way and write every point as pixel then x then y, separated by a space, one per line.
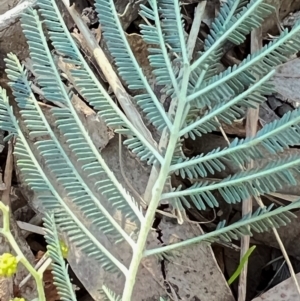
pixel 165 31
pixel 228 110
pixel 234 21
pixel 235 79
pixel 38 181
pixel 263 219
pixel 67 119
pixel 88 85
pixel 61 167
pixel 274 137
pixel 109 295
pixel 202 99
pixel 59 267
pixel 6 120
pixel 128 67
pixel 242 185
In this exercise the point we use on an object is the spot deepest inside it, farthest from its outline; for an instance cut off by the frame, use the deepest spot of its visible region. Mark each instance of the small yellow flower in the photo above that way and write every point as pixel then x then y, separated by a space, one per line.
pixel 17 299
pixel 8 265
pixel 64 249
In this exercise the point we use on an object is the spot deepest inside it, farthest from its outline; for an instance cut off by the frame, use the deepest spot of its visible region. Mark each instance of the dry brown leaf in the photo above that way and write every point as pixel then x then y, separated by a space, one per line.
pixel 284 291
pixel 193 272
pixel 287 81
pixel 287 197
pixel 283 9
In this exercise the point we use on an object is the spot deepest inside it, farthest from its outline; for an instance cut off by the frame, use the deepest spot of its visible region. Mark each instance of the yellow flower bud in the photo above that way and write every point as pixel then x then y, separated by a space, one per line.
pixel 8 265
pixel 64 249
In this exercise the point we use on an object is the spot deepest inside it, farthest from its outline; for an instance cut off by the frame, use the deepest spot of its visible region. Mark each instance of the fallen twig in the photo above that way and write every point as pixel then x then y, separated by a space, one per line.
pixel 195 28
pixel 39 264
pixel 112 78
pixel 31 228
pixel 251 129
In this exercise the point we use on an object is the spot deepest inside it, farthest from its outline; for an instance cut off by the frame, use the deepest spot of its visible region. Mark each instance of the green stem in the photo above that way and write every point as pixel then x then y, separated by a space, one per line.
pixel 156 192
pixel 7 234
pixel 241 265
